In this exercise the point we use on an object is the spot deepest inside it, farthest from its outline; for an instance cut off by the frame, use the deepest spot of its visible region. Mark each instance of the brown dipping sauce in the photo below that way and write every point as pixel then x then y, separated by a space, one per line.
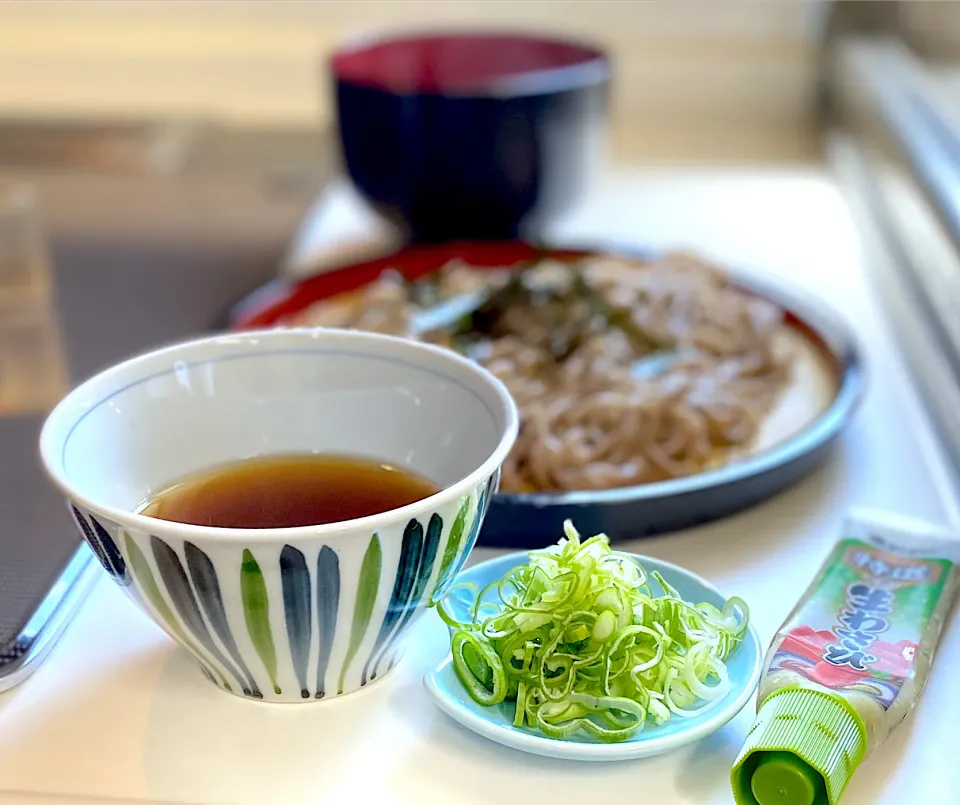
pixel 287 491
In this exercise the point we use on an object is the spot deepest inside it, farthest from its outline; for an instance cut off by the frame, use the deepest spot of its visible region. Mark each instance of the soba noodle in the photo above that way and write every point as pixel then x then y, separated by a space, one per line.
pixel 623 373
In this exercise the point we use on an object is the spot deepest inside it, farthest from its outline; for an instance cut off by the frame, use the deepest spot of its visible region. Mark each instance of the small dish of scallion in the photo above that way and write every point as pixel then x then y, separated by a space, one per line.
pixel 585 653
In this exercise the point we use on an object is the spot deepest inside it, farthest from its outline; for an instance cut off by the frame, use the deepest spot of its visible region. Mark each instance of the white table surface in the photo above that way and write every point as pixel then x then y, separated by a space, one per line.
pixel 119 713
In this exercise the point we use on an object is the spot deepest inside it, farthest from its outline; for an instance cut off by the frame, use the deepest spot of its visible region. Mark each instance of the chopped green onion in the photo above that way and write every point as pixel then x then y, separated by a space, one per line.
pixel 578 641
pixel 481 672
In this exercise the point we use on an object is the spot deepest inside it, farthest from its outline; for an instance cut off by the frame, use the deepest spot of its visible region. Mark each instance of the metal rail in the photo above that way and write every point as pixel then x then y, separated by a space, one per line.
pixel 898 159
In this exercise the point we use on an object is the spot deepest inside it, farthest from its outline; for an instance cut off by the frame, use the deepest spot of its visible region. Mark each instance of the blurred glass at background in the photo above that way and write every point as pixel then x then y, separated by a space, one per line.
pixel 32 372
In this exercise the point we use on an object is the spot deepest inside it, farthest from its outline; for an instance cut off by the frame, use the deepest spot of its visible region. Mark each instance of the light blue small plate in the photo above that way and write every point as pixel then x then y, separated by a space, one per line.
pixel 495 723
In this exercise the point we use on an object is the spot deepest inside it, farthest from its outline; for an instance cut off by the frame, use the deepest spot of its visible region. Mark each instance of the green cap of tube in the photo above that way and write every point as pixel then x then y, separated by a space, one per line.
pixel 802 750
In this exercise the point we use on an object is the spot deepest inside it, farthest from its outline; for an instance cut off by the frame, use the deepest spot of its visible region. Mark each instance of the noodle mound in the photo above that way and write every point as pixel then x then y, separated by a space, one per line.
pixel 623 373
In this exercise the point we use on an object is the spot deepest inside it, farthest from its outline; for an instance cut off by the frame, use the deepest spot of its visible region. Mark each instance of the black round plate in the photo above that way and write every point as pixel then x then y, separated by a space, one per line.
pixel 533 520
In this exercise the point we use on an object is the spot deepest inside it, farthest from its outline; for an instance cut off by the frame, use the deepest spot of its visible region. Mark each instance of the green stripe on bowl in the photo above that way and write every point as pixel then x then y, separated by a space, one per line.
pixel 367 588
pixel 256 613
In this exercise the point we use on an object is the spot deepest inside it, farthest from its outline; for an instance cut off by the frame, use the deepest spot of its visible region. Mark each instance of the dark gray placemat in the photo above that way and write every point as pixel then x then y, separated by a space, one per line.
pixel 37 536
pixel 118 299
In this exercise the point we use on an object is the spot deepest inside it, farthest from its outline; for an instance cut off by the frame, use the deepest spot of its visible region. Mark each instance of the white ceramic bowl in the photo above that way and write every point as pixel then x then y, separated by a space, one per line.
pixel 289 614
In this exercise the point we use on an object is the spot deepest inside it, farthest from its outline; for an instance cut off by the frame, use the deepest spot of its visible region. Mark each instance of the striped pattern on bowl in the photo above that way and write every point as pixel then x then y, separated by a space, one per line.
pixel 288 622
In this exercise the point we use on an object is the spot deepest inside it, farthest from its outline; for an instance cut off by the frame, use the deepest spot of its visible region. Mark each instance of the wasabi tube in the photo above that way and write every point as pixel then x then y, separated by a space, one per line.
pixel 848 664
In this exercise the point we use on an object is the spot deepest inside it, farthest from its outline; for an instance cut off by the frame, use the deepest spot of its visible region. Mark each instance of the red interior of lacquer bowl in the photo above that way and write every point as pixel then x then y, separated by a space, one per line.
pixel 454 63
pixel 276 303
